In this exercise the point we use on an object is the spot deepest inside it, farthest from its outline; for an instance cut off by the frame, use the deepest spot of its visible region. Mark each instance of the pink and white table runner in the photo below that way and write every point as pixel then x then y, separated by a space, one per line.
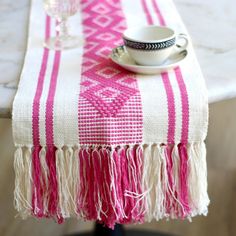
pixel 96 142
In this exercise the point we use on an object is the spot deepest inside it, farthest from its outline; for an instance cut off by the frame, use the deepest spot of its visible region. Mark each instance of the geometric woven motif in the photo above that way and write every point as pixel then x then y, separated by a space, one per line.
pixel 106 90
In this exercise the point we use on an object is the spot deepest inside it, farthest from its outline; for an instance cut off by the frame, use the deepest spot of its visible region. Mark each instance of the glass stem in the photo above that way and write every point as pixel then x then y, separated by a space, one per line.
pixel 62 29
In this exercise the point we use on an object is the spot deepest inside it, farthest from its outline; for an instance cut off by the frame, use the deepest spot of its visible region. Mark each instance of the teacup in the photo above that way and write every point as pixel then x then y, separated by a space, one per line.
pixel 151 45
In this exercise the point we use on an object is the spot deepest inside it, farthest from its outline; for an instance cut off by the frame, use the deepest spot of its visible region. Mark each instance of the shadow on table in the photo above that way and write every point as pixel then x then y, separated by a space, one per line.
pixel 118 231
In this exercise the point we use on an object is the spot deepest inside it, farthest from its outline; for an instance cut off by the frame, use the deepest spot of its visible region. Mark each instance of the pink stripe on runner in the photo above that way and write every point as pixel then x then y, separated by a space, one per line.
pixel 185 105
pixel 148 16
pixel 50 99
pixel 159 15
pixel 39 89
pixel 171 108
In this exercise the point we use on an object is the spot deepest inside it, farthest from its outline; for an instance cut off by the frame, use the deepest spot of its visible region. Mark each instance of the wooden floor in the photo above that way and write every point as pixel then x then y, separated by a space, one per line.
pixel 221 221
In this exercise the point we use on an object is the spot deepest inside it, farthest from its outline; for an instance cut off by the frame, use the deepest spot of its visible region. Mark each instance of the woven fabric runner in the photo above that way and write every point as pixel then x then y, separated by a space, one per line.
pixel 97 142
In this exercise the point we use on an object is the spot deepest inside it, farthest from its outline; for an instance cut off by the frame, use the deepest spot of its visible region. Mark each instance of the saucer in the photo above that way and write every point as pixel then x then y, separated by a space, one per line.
pixel 121 57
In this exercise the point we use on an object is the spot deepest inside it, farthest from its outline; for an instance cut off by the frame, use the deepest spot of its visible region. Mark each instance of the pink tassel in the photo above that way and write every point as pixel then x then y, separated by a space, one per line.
pixel 184 172
pixel 125 186
pixel 119 191
pixel 52 184
pixel 83 199
pixel 138 161
pixel 98 184
pixel 109 199
pixel 91 209
pixel 105 177
pixel 37 195
pixel 177 195
pixel 131 181
pixel 91 183
pixel 170 200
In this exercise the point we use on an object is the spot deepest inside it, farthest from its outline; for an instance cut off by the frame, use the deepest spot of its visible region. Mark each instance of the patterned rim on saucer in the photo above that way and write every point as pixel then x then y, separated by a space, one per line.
pixel 149 46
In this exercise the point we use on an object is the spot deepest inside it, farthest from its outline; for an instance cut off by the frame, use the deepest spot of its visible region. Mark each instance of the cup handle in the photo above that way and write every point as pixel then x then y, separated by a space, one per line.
pixel 183 37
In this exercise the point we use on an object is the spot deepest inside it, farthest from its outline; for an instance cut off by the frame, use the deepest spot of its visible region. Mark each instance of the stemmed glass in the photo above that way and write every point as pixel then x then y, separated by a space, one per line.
pixel 61 10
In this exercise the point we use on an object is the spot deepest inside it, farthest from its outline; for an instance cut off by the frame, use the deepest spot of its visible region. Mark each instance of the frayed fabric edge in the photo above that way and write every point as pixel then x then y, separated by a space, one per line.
pixel 112 184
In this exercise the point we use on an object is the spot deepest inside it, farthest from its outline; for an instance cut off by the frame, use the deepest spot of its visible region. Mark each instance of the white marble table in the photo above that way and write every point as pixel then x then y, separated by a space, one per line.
pixel 212 25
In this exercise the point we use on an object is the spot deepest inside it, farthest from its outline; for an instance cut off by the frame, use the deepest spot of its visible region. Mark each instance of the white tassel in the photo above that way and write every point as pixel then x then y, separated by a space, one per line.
pixel 63 194
pixel 74 181
pixel 72 173
pixel 23 182
pixel 68 178
pixel 176 183
pixel 160 182
pixel 156 184
pixel 134 178
pixel 147 182
pixel 155 181
pixel 197 180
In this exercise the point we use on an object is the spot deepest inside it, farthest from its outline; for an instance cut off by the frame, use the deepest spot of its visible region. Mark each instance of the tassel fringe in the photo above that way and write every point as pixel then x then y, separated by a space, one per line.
pixel 129 184
pixel 23 181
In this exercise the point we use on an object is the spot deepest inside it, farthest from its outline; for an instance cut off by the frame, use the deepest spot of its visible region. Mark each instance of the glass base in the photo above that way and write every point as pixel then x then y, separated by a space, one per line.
pixel 62 43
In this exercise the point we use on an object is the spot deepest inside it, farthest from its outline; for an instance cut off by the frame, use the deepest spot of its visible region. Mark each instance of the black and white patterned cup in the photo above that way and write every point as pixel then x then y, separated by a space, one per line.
pixel 152 45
